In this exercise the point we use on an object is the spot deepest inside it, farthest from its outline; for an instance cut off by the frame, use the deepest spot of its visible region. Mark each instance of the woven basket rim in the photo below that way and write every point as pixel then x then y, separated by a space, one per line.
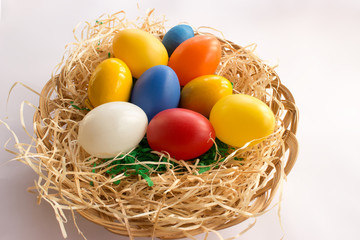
pixel 262 198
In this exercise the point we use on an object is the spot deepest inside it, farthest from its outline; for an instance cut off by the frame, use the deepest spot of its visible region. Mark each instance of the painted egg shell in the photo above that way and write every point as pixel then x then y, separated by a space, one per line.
pixel 239 119
pixel 112 128
pixel 156 90
pixel 140 50
pixel 175 36
pixel 182 133
pixel 111 81
pixel 196 57
pixel 201 93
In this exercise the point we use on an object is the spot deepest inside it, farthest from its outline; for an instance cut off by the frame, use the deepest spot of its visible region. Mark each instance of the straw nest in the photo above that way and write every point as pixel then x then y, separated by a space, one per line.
pixel 180 203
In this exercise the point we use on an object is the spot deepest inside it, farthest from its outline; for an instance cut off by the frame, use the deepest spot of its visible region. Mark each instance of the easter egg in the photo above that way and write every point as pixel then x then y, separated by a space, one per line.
pixel 182 133
pixel 195 57
pixel 112 128
pixel 111 81
pixel 156 90
pixel 239 119
pixel 175 36
pixel 201 93
pixel 140 50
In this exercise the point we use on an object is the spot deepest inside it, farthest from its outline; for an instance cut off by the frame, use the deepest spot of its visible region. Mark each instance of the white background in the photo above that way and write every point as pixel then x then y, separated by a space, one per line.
pixel 315 43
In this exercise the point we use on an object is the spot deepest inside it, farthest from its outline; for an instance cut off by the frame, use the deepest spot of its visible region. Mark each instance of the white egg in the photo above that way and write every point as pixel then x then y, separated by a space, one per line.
pixel 112 128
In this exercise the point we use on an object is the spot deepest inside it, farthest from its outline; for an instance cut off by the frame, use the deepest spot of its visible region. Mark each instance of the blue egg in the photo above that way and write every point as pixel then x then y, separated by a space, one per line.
pixel 175 36
pixel 157 89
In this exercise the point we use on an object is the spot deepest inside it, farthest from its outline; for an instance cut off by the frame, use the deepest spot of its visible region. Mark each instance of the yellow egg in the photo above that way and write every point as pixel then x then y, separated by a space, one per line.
pixel 111 81
pixel 140 50
pixel 201 93
pixel 239 119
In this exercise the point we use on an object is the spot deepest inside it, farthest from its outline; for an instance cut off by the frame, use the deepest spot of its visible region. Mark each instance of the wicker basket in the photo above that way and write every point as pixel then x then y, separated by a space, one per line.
pixel 75 190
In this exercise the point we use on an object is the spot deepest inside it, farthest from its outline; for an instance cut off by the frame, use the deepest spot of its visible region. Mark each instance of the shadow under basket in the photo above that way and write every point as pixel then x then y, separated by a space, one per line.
pixel 179 204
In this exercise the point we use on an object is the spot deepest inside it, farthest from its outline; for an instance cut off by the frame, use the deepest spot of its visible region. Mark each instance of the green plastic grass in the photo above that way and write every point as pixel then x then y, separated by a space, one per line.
pixel 132 163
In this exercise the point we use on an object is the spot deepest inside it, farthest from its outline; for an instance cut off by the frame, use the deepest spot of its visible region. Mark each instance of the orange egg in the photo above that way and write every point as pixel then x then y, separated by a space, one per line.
pixel 197 56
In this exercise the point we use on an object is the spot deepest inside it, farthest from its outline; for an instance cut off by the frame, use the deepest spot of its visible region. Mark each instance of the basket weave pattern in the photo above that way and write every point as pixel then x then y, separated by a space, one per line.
pixel 165 210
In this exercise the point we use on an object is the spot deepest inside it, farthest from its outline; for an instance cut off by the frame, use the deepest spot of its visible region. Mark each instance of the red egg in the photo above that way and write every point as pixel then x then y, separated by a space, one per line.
pixel 182 133
pixel 195 57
